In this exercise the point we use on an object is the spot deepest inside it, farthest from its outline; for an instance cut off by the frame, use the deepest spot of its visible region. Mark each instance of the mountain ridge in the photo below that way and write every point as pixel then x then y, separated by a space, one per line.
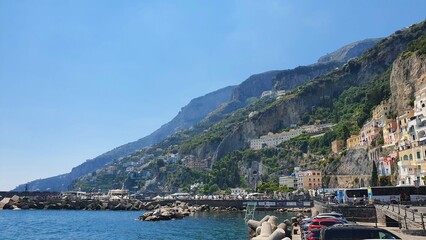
pixel 234 97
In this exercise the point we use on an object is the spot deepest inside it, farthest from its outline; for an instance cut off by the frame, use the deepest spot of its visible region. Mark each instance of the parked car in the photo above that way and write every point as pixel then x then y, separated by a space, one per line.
pixel 324 222
pixel 304 225
pixel 332 214
pixel 313 235
pixel 355 232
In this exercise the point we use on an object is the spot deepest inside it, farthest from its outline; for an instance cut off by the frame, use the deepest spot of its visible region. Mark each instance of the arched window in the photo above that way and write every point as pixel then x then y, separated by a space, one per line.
pixel 411 156
pixel 405 157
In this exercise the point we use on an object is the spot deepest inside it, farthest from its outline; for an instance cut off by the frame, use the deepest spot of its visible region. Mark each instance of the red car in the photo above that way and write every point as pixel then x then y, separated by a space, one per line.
pixel 324 222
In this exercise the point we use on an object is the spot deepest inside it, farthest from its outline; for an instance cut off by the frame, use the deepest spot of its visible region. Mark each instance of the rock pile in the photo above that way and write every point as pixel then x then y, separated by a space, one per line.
pixel 17 203
pixel 176 210
pixel 269 229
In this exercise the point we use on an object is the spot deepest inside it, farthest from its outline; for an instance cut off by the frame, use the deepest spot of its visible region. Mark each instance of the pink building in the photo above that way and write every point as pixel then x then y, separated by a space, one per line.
pixel 385 164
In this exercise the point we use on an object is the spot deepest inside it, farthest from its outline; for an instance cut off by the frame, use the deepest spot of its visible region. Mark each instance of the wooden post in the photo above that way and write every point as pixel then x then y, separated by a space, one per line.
pixel 405 219
pixel 375 216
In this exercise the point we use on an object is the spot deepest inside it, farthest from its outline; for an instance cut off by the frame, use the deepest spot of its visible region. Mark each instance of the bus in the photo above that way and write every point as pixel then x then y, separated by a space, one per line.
pixel 387 194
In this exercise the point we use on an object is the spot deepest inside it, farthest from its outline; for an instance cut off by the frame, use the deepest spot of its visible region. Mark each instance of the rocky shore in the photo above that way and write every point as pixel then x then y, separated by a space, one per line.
pixel 177 210
pixel 18 203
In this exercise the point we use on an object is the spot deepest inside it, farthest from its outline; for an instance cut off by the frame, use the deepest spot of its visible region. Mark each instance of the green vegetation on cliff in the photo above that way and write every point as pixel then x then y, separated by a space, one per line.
pixel 418 46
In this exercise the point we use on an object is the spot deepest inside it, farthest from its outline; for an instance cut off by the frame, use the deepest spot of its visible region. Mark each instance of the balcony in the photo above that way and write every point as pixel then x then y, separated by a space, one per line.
pixel 405 163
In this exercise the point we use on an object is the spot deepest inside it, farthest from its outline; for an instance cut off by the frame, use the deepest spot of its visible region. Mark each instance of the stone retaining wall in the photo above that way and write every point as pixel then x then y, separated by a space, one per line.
pixel 352 213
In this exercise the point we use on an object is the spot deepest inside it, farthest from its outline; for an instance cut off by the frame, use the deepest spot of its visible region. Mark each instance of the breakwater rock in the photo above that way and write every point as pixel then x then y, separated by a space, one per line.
pixel 17 203
pixel 176 210
pixel 268 228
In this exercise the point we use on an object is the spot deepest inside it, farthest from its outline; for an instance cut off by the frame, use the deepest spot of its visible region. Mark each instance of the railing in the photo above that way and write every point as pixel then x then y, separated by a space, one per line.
pixel 406 217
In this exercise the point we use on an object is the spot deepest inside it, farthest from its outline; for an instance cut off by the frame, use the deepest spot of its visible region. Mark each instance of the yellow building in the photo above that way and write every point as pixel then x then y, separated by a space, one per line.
pixel 353 141
pixel 382 111
pixel 390 135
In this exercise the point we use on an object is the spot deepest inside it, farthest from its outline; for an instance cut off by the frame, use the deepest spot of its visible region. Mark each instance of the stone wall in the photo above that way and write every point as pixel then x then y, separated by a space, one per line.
pixel 351 213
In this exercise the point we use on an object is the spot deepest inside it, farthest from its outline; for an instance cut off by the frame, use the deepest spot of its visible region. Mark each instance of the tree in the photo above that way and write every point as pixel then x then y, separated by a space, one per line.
pixel 374 176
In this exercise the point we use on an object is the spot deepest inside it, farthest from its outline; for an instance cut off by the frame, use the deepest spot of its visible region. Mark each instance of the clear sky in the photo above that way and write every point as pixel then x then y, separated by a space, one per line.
pixel 78 78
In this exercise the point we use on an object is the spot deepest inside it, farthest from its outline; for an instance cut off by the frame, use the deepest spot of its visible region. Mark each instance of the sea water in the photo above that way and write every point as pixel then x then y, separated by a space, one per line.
pixel 68 224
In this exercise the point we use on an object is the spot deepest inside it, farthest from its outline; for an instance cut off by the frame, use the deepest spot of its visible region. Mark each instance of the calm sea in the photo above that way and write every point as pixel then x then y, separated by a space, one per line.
pixel 65 224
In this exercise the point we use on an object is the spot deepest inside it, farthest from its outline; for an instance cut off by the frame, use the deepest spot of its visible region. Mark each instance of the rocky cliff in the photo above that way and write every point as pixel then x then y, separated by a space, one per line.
pixel 254 86
pixel 349 51
pixel 408 76
pixel 354 162
pixel 292 109
pixel 289 79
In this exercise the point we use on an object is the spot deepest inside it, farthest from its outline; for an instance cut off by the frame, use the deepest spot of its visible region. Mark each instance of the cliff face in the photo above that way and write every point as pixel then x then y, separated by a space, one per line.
pixel 253 86
pixel 408 76
pixel 290 79
pixel 351 163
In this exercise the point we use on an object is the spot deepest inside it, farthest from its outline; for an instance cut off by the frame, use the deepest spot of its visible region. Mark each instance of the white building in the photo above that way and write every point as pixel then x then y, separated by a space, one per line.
pixel 288 181
pixel 412 142
pixel 272 140
pixel 238 191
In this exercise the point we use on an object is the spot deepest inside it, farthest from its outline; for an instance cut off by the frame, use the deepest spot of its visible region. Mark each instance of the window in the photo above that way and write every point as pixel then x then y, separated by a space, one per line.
pixel 405 157
pixel 411 156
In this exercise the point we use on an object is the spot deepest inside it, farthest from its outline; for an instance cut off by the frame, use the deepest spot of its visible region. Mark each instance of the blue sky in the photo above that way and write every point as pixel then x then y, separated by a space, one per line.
pixel 78 78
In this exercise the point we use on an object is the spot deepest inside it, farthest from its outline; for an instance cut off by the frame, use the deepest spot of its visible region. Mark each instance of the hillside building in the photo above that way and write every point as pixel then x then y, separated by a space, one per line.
pixel 412 142
pixel 382 112
pixel 369 132
pixel 385 164
pixel 310 179
pixel 353 141
pixel 288 181
pixel 196 164
pixel 272 140
pixel 390 135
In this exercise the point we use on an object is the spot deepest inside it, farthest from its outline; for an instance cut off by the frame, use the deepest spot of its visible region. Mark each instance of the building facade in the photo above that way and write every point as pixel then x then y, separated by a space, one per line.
pixel 353 141
pixel 310 179
pixel 272 140
pixel 288 181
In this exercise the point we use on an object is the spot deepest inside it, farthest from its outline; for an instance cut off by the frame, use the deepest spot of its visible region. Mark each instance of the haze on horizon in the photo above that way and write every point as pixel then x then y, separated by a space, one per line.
pixel 79 78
